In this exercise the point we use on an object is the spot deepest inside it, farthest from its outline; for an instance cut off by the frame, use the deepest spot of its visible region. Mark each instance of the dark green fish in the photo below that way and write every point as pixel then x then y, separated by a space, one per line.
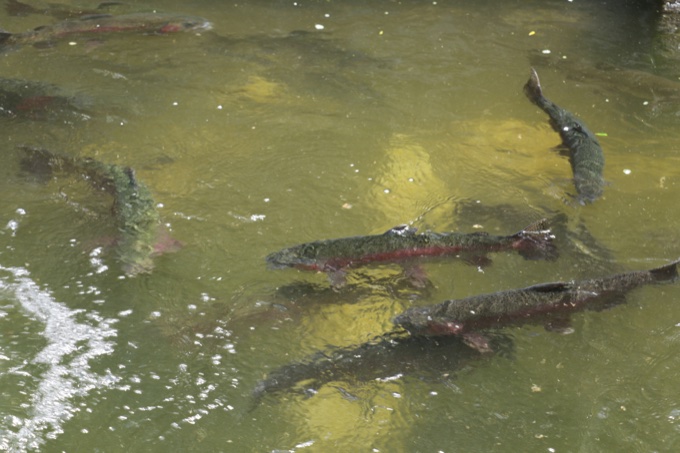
pixel 388 357
pixel 133 206
pixel 104 23
pixel 585 153
pixel 402 243
pixel 547 303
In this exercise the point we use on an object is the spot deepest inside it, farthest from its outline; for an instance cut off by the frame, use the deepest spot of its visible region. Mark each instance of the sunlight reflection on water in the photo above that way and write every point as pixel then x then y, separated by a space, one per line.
pixel 74 338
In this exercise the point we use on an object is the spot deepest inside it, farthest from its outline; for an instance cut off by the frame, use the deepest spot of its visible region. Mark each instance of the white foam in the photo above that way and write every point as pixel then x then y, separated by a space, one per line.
pixel 74 338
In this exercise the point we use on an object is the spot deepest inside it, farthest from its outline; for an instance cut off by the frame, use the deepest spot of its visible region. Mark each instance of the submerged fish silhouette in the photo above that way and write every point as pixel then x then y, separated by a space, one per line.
pixel 105 23
pixel 387 357
pixel 138 221
pixel 38 101
pixel 56 10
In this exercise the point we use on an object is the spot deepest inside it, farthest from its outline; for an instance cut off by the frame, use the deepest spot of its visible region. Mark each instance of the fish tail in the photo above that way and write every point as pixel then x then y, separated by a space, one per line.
pixel 533 88
pixel 4 36
pixel 536 241
pixel 665 273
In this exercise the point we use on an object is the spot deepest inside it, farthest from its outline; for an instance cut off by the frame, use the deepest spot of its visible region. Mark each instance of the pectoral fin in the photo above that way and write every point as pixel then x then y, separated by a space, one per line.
pixel 416 275
pixel 561 325
pixel 476 259
pixel 477 341
pixel 338 278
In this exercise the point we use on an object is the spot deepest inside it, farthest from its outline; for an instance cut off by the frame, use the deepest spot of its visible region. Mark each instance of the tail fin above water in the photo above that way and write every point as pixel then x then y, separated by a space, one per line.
pixel 533 88
pixel 666 273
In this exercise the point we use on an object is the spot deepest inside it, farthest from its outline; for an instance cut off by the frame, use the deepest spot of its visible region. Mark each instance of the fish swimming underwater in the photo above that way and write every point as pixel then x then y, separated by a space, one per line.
pixel 641 84
pixel 585 152
pixel 39 101
pixel 105 23
pixel 56 10
pixel 135 211
pixel 401 243
pixel 547 303
pixel 388 357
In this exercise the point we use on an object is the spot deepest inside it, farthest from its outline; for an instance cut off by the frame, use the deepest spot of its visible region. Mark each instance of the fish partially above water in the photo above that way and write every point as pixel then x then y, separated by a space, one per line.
pixel 135 211
pixel 402 243
pixel 104 23
pixel 585 152
pixel 548 303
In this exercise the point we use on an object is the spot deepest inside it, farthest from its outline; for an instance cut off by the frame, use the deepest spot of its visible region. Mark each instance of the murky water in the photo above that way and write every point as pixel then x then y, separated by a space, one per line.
pixel 296 121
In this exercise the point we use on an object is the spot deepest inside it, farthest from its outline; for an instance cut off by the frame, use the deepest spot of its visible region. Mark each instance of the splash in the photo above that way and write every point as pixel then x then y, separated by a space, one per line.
pixel 56 374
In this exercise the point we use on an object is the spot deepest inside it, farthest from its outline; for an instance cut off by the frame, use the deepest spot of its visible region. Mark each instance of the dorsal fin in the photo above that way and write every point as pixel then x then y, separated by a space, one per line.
pixel 539 226
pixel 401 230
pixel 553 287
pixel 94 16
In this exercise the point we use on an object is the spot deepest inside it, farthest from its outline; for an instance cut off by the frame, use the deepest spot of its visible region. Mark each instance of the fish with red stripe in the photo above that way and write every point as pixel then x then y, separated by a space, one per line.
pixel 549 304
pixel 403 243
pixel 160 23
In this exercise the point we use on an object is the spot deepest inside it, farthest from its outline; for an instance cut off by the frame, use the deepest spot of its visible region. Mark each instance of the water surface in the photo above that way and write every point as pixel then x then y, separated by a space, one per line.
pixel 297 121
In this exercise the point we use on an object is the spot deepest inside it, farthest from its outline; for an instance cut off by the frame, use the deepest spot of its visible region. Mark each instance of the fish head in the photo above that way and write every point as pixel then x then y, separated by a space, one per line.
pixel 297 257
pixel 413 320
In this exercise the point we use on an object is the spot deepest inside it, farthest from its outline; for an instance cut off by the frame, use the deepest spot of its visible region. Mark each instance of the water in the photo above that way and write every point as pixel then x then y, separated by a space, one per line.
pixel 376 114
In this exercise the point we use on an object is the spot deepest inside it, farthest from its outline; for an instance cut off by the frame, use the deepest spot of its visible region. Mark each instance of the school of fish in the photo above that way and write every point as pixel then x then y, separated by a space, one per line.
pixel 455 330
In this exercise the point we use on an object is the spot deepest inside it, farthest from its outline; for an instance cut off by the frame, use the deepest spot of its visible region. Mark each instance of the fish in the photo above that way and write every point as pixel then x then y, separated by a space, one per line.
pixel 576 241
pixel 387 357
pixel 105 23
pixel 39 101
pixel 134 209
pixel 402 243
pixel 549 304
pixel 56 10
pixel 641 84
pixel 585 153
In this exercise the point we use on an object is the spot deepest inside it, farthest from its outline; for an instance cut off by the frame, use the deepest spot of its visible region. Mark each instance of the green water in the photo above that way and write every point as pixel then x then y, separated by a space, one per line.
pixel 252 139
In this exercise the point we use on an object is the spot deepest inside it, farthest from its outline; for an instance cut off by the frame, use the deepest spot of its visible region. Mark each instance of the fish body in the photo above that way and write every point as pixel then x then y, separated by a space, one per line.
pixel 585 152
pixel 402 243
pixel 543 303
pixel 136 216
pixel 388 357
pixel 56 10
pixel 37 101
pixel 105 23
